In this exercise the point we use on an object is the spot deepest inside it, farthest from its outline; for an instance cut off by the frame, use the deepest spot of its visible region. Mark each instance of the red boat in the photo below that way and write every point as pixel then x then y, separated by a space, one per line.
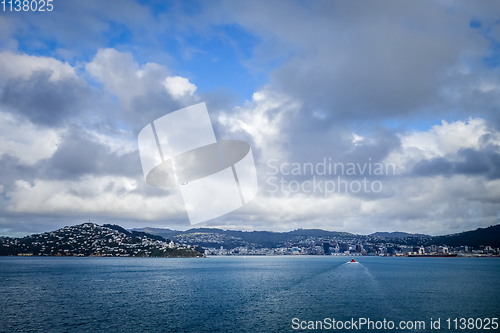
pixel 352 260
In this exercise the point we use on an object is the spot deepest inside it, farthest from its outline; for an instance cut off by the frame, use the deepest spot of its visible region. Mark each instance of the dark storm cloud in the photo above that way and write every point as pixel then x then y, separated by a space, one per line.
pixel 380 60
pixel 44 101
pixel 13 169
pixel 472 162
pixel 79 155
pixel 333 148
pixel 434 167
pixel 389 71
pixel 311 139
pixel 377 145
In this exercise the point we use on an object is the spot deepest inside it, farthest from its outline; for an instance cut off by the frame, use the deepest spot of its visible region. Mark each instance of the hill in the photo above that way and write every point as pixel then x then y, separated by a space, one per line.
pixel 214 238
pixel 396 234
pixel 90 239
pixel 480 237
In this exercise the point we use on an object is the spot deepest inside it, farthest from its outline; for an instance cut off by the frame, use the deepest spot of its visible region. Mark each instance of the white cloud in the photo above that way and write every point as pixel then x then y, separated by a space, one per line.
pixel 262 119
pixel 439 141
pixel 425 204
pixel 123 77
pixel 22 65
pixel 433 205
pixel 357 138
pixel 119 143
pixel 128 80
pixel 22 139
pixel 110 196
pixel 390 72
pixel 178 86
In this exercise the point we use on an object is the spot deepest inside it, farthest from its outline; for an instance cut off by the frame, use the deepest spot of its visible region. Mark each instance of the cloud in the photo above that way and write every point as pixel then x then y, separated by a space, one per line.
pixel 14 65
pixel 340 81
pixel 106 196
pixel 25 141
pixel 45 101
pixel 13 169
pixel 44 90
pixel 60 159
pixel 471 162
pixel 443 141
pixel 378 61
pixel 178 86
pixel 123 77
pixel 453 190
pixel 77 28
pixel 145 92
pixel 262 121
pixel 81 154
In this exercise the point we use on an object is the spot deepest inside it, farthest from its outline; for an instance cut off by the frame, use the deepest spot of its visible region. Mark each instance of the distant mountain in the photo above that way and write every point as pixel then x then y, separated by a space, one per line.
pixel 90 239
pixel 319 233
pixel 212 237
pixel 165 233
pixel 396 234
pixel 480 237
pixel 134 233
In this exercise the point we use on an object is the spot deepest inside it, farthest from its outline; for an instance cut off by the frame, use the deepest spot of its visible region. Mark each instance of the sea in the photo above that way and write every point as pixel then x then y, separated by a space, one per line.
pixel 248 294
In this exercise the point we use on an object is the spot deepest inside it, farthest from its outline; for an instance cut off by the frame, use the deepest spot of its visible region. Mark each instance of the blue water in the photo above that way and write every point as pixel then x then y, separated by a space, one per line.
pixel 236 294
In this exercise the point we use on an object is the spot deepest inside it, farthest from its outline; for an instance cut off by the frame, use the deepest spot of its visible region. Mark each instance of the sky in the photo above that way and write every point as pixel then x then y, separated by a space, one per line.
pixel 403 95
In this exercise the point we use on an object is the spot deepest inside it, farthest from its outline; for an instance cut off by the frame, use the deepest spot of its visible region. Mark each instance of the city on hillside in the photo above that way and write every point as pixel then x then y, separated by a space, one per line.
pixel 332 247
pixel 90 239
